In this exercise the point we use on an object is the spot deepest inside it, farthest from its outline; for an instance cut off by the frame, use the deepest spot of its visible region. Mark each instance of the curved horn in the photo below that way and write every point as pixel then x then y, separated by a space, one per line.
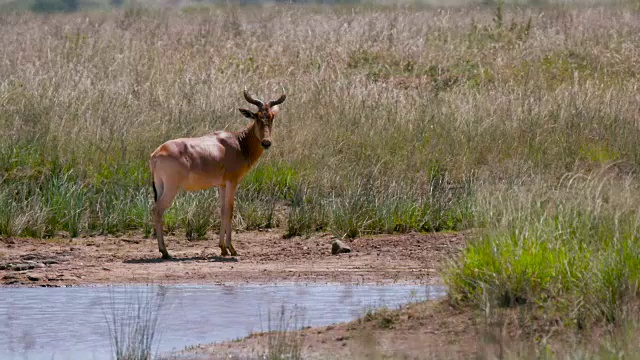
pixel 280 99
pixel 252 100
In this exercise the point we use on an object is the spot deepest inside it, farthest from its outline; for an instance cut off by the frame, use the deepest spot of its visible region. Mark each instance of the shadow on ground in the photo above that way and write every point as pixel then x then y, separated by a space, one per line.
pixel 157 260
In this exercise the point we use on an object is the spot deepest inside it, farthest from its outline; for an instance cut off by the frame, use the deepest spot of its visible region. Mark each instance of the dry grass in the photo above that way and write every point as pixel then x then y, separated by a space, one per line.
pixel 396 115
pixel 132 322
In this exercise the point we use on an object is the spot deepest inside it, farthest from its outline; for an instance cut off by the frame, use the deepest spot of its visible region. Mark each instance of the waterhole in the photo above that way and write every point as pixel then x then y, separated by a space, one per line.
pixel 82 322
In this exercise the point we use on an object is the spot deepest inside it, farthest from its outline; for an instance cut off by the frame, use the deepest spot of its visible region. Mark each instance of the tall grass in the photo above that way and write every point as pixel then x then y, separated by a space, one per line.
pixel 284 342
pixel 570 250
pixel 386 121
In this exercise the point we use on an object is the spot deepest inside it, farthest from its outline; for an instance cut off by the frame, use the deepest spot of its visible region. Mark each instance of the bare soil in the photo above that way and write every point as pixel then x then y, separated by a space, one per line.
pixel 265 257
pixel 427 330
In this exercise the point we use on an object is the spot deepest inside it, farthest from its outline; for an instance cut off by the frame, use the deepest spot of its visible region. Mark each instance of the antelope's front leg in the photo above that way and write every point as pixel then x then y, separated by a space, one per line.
pixel 223 217
pixel 230 196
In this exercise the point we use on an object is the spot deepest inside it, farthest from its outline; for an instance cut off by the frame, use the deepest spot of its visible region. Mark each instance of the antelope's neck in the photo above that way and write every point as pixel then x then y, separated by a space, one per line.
pixel 250 144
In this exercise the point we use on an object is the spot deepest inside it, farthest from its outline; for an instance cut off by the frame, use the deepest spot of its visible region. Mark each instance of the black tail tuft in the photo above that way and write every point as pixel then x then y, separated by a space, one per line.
pixel 155 192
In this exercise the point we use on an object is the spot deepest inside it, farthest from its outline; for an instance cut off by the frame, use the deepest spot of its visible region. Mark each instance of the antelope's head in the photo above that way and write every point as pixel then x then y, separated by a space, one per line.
pixel 263 118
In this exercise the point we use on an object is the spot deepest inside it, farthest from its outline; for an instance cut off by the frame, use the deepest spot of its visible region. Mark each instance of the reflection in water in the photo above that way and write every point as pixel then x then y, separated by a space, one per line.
pixel 74 323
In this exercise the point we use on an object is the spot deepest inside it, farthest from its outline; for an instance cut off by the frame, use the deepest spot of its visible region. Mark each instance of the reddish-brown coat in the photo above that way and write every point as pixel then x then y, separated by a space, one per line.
pixel 218 159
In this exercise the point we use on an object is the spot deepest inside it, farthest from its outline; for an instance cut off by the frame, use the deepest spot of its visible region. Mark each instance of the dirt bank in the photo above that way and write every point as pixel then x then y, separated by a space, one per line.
pixel 427 330
pixel 265 257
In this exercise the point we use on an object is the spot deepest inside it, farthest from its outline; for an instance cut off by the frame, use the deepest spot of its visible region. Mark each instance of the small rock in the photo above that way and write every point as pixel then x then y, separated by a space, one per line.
pixel 34 277
pixel 338 247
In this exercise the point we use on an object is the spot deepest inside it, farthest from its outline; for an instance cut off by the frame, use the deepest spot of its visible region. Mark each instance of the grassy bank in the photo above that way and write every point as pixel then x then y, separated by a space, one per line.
pixel 398 119
pixel 568 256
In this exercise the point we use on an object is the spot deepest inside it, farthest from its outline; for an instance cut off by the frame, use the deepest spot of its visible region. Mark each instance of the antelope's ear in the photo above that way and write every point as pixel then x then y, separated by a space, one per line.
pixel 275 110
pixel 247 113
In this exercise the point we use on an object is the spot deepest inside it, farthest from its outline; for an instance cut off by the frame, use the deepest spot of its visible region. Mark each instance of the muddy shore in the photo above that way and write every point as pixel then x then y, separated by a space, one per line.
pixel 264 257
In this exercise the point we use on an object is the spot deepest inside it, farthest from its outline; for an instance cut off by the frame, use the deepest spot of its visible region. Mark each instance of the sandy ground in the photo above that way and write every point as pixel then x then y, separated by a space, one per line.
pixel 427 330
pixel 265 257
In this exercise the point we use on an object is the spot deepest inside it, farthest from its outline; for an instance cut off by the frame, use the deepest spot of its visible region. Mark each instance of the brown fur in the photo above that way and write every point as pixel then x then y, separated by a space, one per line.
pixel 219 159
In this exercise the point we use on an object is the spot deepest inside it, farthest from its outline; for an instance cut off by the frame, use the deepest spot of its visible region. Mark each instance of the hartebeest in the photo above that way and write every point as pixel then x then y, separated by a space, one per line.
pixel 219 159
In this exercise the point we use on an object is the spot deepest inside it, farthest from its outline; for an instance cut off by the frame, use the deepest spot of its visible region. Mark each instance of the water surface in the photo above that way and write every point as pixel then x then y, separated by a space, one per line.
pixel 73 323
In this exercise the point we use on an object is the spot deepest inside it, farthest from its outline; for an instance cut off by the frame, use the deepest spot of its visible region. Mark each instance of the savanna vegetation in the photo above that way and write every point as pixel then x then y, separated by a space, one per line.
pixel 520 123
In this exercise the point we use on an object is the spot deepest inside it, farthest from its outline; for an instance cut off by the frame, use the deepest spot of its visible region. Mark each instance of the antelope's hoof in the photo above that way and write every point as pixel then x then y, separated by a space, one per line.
pixel 165 255
pixel 224 251
pixel 233 252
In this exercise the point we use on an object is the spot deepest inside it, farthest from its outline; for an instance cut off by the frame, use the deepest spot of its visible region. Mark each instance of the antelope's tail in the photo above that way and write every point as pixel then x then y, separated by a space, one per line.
pixel 152 164
pixel 155 192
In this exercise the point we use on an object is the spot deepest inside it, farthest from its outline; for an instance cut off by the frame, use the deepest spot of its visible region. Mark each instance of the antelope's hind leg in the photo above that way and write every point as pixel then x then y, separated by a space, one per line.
pixel 165 193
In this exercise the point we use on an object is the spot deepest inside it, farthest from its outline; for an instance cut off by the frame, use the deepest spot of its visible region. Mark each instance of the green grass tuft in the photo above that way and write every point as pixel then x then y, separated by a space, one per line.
pixel 570 249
